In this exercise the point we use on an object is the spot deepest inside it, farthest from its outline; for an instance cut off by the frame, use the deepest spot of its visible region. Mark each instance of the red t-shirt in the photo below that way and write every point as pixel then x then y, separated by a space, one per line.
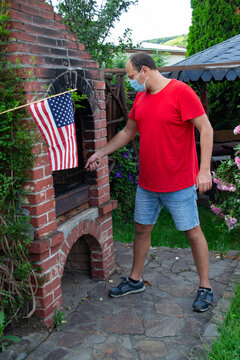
pixel 168 158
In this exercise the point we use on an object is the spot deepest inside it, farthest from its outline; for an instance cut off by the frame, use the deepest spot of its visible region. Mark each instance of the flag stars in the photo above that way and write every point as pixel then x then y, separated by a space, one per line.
pixel 62 108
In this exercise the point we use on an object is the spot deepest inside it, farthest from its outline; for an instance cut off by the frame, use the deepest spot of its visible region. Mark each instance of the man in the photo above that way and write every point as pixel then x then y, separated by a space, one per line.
pixel 164 113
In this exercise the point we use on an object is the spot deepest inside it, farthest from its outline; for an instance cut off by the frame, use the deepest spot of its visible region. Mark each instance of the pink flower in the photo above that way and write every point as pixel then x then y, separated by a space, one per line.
pixel 226 187
pixel 237 161
pixel 232 188
pixel 231 222
pixel 237 130
pixel 216 180
pixel 222 185
pixel 217 211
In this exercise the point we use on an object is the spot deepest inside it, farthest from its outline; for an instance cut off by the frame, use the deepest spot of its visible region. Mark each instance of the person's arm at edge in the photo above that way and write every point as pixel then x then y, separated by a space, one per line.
pixel 118 141
pixel 204 179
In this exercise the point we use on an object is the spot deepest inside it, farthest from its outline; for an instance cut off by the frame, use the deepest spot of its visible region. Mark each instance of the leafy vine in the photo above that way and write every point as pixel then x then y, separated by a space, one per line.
pixel 18 281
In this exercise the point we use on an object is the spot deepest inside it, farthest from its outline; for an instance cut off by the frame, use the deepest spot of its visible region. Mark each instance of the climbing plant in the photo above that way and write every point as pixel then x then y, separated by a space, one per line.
pixel 17 139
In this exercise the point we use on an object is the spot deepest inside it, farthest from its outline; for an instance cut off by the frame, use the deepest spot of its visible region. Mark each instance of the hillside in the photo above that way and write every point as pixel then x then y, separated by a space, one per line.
pixel 179 40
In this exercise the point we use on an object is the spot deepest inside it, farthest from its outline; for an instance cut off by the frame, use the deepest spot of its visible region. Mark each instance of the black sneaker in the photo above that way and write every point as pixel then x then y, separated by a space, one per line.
pixel 127 287
pixel 203 300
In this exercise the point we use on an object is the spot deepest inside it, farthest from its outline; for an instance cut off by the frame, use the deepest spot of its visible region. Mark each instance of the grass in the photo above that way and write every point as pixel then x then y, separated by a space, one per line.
pixel 165 233
pixel 227 347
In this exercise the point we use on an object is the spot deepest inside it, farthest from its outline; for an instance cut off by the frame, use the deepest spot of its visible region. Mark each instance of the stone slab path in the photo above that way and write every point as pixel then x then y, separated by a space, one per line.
pixel 157 324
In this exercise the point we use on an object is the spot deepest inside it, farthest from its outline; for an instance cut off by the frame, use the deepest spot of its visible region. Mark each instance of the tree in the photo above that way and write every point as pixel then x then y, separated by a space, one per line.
pixel 214 21
pixel 92 24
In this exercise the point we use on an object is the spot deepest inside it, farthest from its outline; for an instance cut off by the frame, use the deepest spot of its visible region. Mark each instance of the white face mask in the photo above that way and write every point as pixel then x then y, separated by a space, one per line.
pixel 135 84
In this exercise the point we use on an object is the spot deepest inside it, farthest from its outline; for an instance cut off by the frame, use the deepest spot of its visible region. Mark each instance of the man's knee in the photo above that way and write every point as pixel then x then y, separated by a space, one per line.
pixel 194 234
pixel 141 229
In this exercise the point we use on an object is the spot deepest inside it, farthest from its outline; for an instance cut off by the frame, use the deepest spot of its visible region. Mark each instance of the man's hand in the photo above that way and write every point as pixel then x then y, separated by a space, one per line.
pixel 93 162
pixel 204 181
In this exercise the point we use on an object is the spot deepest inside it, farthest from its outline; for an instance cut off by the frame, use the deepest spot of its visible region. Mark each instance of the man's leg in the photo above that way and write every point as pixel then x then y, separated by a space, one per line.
pixel 147 208
pixel 142 243
pixel 200 254
pixel 134 284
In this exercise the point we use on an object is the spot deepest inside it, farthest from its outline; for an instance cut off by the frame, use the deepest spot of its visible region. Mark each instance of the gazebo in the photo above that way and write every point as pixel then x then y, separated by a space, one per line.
pixel 217 63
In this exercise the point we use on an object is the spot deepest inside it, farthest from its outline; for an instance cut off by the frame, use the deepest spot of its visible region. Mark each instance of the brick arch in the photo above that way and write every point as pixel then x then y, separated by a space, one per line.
pixel 90 230
pixel 95 234
pixel 73 79
pixel 51 253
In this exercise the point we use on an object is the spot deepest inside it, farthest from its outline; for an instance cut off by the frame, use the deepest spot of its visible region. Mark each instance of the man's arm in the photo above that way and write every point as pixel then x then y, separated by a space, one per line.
pixel 118 141
pixel 204 179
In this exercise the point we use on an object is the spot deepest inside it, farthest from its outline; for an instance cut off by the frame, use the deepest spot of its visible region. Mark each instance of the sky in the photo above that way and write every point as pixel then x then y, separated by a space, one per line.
pixel 155 19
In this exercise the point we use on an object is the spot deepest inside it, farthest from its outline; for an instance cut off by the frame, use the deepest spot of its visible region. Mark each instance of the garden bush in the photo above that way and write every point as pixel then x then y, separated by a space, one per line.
pixel 227 179
pixel 123 182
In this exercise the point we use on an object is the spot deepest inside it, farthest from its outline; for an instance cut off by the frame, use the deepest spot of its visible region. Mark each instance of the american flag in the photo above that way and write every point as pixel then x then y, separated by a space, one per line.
pixel 55 119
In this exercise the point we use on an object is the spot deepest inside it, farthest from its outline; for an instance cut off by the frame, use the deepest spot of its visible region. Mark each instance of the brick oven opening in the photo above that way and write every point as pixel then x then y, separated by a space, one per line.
pixel 71 189
pixel 78 257
pixel 76 280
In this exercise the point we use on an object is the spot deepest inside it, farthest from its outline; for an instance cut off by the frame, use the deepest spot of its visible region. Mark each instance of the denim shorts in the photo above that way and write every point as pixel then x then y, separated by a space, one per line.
pixel 181 204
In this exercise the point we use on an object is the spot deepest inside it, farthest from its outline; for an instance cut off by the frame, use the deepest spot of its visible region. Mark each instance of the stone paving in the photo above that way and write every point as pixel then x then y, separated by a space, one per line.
pixel 157 324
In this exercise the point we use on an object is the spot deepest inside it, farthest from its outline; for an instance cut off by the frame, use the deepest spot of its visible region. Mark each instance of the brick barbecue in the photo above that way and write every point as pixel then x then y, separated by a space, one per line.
pixel 70 210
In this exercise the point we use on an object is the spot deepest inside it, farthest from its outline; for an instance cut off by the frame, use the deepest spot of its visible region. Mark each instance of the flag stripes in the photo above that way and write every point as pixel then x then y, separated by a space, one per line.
pixel 55 120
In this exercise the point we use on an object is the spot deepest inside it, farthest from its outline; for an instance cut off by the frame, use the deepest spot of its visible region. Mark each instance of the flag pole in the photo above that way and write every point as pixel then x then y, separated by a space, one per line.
pixel 34 102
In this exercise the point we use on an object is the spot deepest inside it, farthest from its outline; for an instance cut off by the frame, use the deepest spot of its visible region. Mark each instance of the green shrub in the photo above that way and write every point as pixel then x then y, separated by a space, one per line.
pixel 227 179
pixel 123 181
pixel 223 98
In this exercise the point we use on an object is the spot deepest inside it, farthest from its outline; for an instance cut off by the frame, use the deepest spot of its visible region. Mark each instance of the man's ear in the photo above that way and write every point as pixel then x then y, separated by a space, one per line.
pixel 145 69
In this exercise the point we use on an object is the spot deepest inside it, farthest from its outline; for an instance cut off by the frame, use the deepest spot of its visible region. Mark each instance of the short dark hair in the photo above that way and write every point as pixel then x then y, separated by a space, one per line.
pixel 140 59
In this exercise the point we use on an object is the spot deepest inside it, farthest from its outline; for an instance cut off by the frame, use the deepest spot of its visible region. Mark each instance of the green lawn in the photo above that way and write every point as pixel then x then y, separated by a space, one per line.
pixel 165 233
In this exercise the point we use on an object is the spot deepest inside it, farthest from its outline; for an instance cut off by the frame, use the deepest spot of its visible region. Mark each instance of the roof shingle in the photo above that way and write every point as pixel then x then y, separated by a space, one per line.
pixel 225 53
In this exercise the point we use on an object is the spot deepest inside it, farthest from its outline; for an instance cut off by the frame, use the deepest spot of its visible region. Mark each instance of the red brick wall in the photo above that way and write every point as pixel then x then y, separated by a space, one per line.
pixel 54 61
